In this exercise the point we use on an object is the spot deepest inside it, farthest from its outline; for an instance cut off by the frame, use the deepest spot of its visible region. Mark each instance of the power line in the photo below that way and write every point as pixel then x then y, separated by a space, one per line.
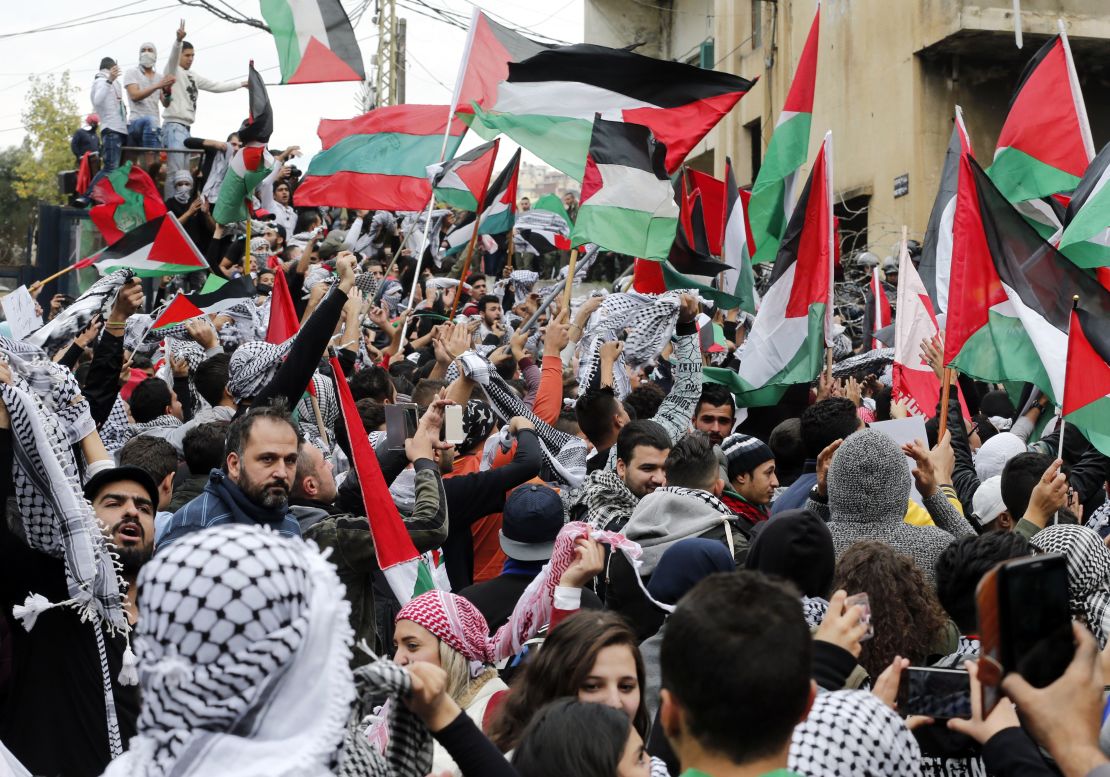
pixel 87 21
pixel 517 27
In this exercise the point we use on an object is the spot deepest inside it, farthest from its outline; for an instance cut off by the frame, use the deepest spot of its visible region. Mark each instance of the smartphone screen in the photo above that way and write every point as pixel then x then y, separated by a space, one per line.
pixel 938 693
pixel 400 425
pixel 453 425
pixel 1036 637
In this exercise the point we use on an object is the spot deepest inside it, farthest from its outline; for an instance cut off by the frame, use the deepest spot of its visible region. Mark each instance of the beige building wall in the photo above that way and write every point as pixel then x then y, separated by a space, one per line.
pixel 890 73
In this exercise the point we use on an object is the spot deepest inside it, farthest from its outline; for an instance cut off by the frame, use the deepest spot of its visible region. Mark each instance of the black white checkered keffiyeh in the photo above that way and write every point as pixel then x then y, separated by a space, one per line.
pixel 244 642
pixel 65 326
pixel 851 733
pixel 253 366
pixel 565 454
pixel 521 282
pixel 329 413
pixel 1088 573
pixel 56 518
pixel 536 230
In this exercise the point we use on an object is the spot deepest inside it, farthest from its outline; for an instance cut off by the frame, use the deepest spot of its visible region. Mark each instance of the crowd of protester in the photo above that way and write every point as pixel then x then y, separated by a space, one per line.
pixel 627 573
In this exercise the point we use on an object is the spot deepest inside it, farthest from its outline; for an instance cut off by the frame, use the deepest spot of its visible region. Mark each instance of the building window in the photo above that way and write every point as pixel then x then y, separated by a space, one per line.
pixel 757 23
pixel 755 143
pixel 852 217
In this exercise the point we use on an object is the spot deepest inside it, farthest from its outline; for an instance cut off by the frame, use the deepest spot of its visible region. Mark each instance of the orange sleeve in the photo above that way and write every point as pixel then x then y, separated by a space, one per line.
pixel 549 399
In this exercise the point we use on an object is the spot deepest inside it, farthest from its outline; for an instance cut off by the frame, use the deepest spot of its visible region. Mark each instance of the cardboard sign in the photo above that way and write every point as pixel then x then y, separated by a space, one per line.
pixel 19 310
pixel 902 431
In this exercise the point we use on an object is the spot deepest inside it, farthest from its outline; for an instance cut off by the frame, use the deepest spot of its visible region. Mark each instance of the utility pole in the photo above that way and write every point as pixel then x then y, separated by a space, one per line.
pixel 389 64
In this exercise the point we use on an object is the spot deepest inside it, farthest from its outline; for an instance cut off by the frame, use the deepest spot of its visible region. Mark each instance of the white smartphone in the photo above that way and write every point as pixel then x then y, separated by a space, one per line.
pixel 453 424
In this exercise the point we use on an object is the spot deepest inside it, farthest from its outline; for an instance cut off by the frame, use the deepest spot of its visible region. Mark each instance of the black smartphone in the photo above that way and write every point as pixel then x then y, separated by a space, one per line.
pixel 400 424
pixel 937 693
pixel 1036 637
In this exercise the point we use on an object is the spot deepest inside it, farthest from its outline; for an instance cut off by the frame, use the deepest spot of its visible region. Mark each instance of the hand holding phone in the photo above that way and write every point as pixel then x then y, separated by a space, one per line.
pixel 400 424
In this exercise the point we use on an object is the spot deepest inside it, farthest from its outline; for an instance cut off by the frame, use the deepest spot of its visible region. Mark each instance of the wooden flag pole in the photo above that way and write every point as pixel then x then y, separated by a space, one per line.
pixel 319 418
pixel 1060 446
pixel 570 278
pixel 466 267
pixel 247 247
pixel 34 287
pixel 945 393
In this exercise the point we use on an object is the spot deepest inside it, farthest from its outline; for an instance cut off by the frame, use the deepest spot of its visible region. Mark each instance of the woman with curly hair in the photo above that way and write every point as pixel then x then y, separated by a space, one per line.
pixel 591 656
pixel 907 617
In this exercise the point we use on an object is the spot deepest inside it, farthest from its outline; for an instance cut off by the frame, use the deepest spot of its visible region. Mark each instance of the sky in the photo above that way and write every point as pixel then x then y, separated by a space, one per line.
pixel 223 49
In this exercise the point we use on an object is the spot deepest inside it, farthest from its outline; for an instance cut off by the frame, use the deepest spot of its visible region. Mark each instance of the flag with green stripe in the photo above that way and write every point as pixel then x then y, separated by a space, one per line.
pixel 315 41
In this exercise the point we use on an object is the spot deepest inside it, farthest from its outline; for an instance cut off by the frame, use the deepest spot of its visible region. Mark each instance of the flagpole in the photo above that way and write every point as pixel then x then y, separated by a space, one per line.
pixel 247 247
pixel 319 418
pixel 34 287
pixel 1060 446
pixel 466 265
pixel 570 278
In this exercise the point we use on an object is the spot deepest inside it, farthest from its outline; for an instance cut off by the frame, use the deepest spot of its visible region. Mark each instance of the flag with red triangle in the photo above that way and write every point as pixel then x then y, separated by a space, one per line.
pixel 283 322
pixel 1087 382
pixel 158 247
pixel 773 191
pixel 406 571
pixel 935 268
pixel 712 207
pixel 498 210
pixel 490 48
pixel 794 324
pixel 177 312
pixel 461 181
pixel 1045 144
pixel 125 197
pixel 315 41
pixel 736 245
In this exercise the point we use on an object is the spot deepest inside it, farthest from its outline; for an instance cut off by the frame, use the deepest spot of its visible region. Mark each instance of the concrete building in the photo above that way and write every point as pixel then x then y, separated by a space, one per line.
pixel 536 180
pixel 889 74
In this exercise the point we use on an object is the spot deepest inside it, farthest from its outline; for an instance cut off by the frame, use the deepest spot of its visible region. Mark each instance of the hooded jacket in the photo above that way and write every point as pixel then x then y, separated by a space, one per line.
pixel 869 487
pixel 107 100
pixel 660 520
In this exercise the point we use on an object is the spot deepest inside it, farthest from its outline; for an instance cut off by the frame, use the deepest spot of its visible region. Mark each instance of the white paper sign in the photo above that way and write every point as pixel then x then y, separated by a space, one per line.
pixel 19 310
pixel 902 431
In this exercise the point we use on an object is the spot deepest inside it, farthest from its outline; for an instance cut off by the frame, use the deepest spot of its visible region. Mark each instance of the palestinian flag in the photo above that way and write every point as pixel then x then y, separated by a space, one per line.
pixel 379 161
pixel 284 322
pixel 1087 383
pixel 915 383
pixel 407 573
pixel 177 312
pixel 158 247
pixel 219 295
pixel 490 47
pixel 712 194
pixel 1045 143
pixel 544 228
pixel 549 101
pixel 773 191
pixel 936 255
pixel 739 279
pixel 498 209
pixel 627 204
pixel 315 42
pixel 791 331
pixel 126 198
pixel 878 309
pixel 462 181
pixel 252 162
pixel 1085 239
pixel 1016 328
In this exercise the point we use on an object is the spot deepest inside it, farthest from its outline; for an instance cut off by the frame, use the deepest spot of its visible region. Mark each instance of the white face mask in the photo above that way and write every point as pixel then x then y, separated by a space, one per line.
pixel 147 59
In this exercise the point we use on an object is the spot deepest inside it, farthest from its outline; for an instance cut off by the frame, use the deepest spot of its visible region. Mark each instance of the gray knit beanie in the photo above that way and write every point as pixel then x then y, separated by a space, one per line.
pixel 869 481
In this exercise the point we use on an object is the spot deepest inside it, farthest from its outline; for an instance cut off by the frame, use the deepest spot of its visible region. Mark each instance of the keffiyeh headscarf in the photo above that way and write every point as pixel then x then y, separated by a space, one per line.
pixel 182 195
pixel 458 623
pixel 253 366
pixel 243 642
pixel 1088 573
pixel 65 326
pixel 849 733
pixel 478 420
pixel 564 453
pixel 324 391
pixel 57 520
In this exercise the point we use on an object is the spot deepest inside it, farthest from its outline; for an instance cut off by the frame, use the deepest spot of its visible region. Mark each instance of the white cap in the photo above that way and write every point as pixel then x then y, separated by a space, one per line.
pixel 987 503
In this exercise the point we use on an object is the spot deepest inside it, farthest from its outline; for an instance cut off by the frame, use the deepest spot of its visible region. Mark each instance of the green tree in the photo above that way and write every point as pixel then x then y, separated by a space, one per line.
pixel 50 117
pixel 18 210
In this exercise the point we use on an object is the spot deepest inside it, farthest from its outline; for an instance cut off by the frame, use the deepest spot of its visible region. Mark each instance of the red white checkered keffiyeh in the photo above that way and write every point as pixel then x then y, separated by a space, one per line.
pixel 456 621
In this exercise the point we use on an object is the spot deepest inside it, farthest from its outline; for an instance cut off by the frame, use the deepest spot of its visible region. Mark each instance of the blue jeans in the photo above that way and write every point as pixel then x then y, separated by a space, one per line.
pixel 111 145
pixel 173 136
pixel 143 132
